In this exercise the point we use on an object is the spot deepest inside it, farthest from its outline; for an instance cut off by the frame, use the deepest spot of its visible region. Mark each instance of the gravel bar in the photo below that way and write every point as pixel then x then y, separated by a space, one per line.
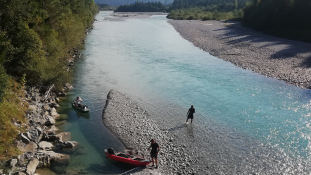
pixel 274 57
pixel 135 128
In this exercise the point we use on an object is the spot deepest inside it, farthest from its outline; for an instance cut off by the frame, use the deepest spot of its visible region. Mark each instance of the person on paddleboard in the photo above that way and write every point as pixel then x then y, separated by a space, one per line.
pixel 190 114
pixel 155 148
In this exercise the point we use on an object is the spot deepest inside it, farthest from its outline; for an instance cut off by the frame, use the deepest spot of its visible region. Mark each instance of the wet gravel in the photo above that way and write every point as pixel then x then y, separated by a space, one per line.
pixel 274 57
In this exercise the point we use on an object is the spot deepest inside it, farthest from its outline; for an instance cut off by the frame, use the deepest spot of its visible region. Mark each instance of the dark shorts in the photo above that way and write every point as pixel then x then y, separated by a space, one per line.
pixel 154 155
pixel 190 116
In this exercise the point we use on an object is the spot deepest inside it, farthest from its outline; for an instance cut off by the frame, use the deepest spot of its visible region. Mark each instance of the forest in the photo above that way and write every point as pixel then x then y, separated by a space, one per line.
pixel 210 5
pixel 142 7
pixel 284 18
pixel 207 9
pixel 36 37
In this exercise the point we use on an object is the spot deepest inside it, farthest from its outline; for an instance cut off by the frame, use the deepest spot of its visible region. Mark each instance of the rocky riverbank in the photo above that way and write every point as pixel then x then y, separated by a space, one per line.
pixel 135 128
pixel 40 142
pixel 274 57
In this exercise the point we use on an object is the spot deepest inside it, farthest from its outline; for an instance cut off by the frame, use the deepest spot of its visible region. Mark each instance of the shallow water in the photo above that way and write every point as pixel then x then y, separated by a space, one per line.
pixel 248 122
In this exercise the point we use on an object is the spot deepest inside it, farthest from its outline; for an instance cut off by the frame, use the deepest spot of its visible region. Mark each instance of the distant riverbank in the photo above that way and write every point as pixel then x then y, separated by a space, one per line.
pixel 274 57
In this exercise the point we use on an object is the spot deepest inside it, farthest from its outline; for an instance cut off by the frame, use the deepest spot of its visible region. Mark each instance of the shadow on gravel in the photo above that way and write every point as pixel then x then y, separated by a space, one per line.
pixel 177 127
pixel 306 63
pixel 240 36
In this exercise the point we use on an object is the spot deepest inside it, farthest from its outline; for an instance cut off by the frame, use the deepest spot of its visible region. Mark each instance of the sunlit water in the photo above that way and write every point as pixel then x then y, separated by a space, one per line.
pixel 255 124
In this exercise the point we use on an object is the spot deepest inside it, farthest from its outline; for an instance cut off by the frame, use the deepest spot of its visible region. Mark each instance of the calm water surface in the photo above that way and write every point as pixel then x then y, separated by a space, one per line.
pixel 245 117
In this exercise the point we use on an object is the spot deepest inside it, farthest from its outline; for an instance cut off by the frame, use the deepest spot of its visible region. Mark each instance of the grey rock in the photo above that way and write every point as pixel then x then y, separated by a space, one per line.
pixel 54 113
pixel 52 129
pixel 46 108
pixel 30 147
pixel 46 145
pixel 25 139
pixel 54 105
pixel 49 121
pixel 13 162
pixel 70 144
pixel 60 158
pixel 32 166
pixel 32 107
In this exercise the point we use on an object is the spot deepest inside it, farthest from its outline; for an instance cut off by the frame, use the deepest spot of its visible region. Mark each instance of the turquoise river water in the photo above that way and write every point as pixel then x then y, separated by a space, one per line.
pixel 255 124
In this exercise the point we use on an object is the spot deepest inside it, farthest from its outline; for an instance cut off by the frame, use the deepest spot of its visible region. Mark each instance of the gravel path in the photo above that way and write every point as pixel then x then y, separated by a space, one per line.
pixel 267 55
pixel 135 128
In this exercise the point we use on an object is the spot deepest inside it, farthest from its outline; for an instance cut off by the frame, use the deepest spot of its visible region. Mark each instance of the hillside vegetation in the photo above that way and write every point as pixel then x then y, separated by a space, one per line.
pixel 35 39
pixel 142 7
pixel 207 9
pixel 286 18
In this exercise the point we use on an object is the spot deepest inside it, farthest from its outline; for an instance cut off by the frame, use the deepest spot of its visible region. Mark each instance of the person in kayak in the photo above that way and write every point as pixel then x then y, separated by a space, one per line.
pixel 79 102
pixel 190 114
pixel 155 148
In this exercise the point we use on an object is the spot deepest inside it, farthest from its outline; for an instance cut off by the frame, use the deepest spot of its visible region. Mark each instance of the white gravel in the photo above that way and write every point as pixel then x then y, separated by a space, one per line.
pixel 274 57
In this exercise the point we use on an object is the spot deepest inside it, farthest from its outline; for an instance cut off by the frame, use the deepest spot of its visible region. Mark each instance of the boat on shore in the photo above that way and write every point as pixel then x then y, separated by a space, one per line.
pixel 83 108
pixel 126 158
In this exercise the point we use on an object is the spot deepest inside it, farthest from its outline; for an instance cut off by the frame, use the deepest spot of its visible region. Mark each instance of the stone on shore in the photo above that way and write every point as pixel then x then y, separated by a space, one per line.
pixel 54 113
pixel 32 166
pixel 30 147
pixel 46 145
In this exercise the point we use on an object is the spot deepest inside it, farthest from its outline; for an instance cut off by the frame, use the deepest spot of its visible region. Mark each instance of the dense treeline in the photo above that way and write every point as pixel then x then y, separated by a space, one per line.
pixel 142 7
pixel 37 35
pixel 286 18
pixel 35 39
pixel 210 5
pixel 200 13
pixel 207 9
pixel 104 7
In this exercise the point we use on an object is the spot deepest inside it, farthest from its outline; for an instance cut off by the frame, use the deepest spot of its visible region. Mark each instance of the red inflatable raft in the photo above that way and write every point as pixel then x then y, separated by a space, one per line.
pixel 126 158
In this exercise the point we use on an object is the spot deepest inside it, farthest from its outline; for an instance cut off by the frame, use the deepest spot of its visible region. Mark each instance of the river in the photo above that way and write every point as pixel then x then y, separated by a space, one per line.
pixel 244 122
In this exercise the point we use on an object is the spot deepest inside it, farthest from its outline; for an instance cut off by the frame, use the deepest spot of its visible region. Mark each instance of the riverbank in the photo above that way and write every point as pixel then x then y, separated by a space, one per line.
pixel 41 142
pixel 273 57
pixel 135 128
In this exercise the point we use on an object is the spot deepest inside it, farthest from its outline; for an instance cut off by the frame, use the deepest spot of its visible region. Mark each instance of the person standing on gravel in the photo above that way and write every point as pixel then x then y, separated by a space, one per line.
pixel 190 114
pixel 155 148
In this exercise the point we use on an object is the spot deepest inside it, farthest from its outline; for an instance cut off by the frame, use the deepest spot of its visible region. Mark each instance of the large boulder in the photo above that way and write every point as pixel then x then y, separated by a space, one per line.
pixel 54 105
pixel 49 136
pixel 24 138
pixel 63 137
pixel 32 166
pixel 70 144
pixel 46 145
pixel 30 147
pixel 34 135
pixel 52 129
pixel 44 159
pixel 54 113
pixel 57 157
pixel 13 162
pixel 49 120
